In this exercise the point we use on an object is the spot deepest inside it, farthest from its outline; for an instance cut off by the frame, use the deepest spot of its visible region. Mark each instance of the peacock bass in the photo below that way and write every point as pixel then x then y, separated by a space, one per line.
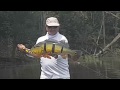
pixel 53 48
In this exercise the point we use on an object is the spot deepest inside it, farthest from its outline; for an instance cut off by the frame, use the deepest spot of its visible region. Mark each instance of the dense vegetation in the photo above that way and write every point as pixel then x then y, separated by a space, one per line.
pixel 89 31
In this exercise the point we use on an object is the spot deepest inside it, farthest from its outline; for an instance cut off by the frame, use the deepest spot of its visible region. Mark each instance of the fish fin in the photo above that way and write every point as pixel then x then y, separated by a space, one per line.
pixel 65 56
pixel 38 44
pixel 46 41
pixel 54 55
pixel 62 42
pixel 46 56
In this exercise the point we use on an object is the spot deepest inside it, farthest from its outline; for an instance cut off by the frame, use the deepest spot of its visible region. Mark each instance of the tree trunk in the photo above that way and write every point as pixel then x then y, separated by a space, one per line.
pixel 113 41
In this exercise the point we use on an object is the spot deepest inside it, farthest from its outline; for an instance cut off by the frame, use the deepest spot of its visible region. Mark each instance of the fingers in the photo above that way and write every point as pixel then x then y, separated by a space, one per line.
pixel 21 47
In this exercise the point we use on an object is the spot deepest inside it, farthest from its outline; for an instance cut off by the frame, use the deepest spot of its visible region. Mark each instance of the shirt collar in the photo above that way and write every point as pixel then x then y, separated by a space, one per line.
pixel 52 36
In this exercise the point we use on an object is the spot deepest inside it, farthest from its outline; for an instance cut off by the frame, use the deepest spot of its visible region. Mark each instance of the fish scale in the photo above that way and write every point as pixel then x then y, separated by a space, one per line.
pixel 52 48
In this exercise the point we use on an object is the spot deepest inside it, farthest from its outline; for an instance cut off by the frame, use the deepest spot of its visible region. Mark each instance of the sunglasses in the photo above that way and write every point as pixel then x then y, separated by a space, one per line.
pixel 52 26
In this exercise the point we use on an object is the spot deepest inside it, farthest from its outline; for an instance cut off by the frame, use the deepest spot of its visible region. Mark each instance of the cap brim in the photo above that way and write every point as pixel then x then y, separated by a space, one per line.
pixel 53 24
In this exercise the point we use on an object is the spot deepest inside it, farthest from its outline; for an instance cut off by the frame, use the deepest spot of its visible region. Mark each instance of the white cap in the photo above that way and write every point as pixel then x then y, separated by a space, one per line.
pixel 52 21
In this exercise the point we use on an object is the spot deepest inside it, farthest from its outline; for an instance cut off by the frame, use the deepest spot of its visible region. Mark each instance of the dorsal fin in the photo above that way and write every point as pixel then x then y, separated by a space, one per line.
pixel 39 44
pixel 61 43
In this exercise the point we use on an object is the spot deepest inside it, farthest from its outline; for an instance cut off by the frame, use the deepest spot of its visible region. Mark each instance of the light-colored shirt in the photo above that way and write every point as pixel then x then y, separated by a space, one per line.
pixel 54 68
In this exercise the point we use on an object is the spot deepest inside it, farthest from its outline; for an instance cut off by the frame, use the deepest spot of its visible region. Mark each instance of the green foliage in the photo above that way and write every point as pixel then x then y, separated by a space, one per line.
pixel 80 27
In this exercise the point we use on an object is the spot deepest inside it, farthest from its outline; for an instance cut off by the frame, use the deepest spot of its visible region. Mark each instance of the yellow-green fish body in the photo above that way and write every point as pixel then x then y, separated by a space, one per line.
pixel 49 47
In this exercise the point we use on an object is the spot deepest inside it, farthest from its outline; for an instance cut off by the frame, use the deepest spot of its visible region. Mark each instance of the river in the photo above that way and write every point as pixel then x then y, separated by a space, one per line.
pixel 88 67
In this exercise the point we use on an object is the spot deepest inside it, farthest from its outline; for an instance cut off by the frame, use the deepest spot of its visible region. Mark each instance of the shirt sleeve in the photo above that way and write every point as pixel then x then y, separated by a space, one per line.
pixel 64 40
pixel 40 39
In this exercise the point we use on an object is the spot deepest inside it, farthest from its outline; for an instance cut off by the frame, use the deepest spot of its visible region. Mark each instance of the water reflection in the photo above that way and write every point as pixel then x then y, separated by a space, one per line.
pixel 105 67
pixel 88 67
pixel 17 69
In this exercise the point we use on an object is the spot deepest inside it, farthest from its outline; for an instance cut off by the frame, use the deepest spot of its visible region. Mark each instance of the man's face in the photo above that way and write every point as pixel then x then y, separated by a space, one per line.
pixel 52 30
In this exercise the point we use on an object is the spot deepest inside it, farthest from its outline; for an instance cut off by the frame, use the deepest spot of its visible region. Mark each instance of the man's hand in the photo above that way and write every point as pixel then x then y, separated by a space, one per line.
pixel 21 47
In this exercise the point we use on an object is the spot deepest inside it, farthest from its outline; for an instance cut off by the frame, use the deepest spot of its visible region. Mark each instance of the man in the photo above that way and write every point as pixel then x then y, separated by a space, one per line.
pixel 52 68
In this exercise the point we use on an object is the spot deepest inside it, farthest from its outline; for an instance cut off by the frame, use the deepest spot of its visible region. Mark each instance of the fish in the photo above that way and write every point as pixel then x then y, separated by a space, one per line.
pixel 53 48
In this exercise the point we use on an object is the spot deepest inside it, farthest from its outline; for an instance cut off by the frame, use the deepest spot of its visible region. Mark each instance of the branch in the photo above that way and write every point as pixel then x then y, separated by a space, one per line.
pixel 113 41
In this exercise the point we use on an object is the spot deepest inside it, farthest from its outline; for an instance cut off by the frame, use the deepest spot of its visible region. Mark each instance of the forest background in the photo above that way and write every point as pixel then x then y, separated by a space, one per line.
pixel 87 31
